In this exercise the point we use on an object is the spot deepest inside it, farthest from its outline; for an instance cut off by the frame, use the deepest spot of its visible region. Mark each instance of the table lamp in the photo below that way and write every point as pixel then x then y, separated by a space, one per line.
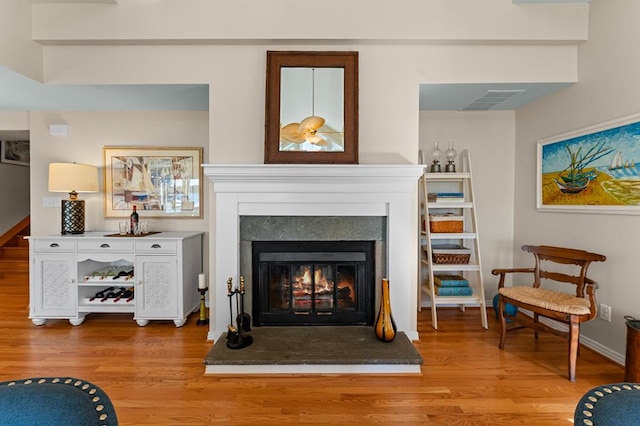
pixel 73 178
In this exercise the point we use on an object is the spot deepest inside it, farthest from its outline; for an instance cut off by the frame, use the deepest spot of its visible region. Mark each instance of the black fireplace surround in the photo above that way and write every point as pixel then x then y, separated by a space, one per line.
pixel 313 283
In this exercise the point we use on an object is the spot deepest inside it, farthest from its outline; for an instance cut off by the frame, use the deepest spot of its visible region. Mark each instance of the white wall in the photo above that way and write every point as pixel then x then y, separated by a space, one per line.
pixel 609 86
pixel 389 79
pixel 278 20
pixel 88 133
pixel 490 139
pixel 17 50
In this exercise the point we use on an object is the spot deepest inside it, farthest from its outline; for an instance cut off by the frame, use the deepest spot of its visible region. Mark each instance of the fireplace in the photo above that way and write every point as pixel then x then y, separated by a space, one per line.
pixel 313 282
pixel 314 191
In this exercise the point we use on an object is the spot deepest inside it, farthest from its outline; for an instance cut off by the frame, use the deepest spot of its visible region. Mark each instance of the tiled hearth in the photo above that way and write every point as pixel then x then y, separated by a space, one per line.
pixel 317 191
pixel 315 350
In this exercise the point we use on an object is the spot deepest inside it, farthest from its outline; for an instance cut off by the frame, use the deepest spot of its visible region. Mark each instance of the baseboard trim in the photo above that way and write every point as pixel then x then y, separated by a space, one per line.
pixel 588 342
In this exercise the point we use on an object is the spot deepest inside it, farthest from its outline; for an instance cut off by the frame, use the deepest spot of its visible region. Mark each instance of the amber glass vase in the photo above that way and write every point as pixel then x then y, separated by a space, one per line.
pixel 385 326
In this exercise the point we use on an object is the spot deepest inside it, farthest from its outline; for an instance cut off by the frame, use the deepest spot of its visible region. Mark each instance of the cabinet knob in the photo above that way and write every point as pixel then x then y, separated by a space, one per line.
pixel 156 246
pixel 105 245
pixel 54 245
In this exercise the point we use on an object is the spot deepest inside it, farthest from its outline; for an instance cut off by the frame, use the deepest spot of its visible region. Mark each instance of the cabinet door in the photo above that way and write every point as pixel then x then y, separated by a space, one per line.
pixel 54 286
pixel 156 292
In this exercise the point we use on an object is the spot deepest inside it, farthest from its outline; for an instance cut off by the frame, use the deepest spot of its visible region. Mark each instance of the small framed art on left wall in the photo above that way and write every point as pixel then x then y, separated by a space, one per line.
pixel 14 152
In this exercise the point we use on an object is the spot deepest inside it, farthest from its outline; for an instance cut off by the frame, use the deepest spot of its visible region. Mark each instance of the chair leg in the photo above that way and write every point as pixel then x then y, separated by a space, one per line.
pixel 503 322
pixel 574 340
pixel 536 319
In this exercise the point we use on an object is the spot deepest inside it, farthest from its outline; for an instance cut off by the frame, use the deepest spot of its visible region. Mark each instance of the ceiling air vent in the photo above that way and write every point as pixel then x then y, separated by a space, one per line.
pixel 490 100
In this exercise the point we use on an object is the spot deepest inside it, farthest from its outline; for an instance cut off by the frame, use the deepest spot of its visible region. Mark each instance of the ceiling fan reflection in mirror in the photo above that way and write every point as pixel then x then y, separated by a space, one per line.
pixel 312 129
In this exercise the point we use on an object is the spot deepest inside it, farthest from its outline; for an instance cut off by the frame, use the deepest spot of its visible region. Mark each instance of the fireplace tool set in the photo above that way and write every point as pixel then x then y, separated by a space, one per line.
pixel 236 339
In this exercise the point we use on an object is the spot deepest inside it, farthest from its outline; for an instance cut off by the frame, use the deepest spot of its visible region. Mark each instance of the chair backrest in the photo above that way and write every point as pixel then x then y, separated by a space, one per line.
pixel 566 256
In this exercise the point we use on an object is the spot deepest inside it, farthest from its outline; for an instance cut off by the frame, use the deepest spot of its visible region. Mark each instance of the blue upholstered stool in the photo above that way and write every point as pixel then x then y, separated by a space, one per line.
pixel 616 404
pixel 509 309
pixel 54 401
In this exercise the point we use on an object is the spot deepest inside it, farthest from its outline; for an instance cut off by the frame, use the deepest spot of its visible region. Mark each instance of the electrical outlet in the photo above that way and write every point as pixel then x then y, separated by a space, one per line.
pixel 51 201
pixel 605 312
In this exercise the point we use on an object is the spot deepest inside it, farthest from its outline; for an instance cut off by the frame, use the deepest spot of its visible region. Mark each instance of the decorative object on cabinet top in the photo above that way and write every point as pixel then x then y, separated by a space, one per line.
pixel 72 178
pixel 132 235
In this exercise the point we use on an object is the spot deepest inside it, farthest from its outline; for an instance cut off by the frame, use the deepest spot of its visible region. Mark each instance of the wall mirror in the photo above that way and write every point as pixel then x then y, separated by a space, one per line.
pixel 311 107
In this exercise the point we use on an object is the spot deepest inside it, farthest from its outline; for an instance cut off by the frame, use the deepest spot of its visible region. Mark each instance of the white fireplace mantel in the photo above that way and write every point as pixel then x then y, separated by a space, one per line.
pixel 317 190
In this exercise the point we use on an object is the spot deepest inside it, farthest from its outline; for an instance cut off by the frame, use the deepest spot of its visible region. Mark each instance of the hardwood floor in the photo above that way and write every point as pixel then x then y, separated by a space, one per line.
pixel 154 374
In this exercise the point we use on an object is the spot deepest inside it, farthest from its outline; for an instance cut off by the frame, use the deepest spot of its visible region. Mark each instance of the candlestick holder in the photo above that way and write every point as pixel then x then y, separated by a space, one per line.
pixel 203 320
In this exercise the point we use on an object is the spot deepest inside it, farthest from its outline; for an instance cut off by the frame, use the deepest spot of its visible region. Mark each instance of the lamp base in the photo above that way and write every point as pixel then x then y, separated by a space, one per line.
pixel 72 217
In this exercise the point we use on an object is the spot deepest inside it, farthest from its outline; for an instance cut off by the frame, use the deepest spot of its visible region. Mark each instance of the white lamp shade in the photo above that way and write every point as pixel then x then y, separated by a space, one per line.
pixel 73 177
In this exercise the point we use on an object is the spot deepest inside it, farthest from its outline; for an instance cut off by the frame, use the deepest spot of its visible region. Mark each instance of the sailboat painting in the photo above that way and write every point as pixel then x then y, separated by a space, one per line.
pixel 593 170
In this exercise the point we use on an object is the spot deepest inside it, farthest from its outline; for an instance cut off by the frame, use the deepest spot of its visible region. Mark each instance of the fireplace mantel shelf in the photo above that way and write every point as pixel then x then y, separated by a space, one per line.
pixel 342 173
pixel 380 190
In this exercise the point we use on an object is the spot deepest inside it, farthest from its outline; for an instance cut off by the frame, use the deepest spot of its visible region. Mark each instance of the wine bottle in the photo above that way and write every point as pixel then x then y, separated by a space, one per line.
pixel 100 294
pixel 124 274
pixel 118 295
pixel 134 220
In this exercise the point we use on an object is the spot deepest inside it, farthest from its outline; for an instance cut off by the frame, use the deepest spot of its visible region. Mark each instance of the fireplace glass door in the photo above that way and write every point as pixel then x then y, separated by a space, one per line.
pixel 309 287
pixel 313 283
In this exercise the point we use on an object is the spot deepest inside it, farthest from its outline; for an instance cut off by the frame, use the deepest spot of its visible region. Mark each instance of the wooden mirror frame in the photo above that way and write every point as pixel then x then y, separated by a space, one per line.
pixel 276 60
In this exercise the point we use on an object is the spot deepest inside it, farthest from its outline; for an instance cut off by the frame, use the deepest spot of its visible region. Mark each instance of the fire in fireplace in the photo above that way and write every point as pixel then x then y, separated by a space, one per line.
pixel 313 282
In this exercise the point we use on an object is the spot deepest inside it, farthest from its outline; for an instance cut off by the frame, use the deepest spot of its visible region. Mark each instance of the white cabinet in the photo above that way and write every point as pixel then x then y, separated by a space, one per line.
pixel 153 277
pixel 447 254
pixel 54 296
pixel 156 296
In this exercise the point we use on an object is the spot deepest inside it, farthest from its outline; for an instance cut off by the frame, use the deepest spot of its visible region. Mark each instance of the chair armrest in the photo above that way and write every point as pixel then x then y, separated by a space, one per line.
pixel 511 270
pixel 503 272
pixel 591 286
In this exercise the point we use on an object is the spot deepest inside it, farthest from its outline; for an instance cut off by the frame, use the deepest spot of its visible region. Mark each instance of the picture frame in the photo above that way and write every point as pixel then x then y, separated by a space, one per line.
pixel 15 152
pixel 592 170
pixel 311 108
pixel 162 182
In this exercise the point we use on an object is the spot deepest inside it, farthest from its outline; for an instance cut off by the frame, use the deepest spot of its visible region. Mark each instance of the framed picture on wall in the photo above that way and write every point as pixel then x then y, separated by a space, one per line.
pixel 160 182
pixel 14 152
pixel 592 170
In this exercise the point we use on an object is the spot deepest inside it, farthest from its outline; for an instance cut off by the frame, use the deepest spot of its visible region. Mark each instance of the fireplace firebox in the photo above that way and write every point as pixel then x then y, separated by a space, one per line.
pixel 313 282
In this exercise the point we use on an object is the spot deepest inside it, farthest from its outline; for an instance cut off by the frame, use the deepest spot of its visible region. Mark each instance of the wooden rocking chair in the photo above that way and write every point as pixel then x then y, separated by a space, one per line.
pixel 571 308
